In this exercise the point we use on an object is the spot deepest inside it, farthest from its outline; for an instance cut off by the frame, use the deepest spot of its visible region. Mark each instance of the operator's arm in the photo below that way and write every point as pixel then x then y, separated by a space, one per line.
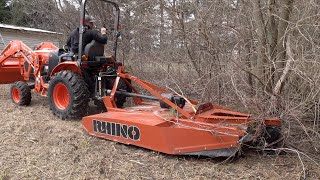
pixel 100 38
pixel 69 41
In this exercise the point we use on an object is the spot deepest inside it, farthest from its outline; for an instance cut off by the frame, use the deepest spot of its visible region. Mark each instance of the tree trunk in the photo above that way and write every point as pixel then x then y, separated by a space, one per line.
pixel 276 104
pixel 272 35
pixel 286 7
pixel 272 30
pixel 262 45
pixel 290 60
pixel 173 23
pixel 161 23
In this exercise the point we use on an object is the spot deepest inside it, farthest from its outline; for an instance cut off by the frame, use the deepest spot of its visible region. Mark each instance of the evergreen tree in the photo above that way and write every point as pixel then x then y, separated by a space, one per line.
pixel 18 14
pixel 4 11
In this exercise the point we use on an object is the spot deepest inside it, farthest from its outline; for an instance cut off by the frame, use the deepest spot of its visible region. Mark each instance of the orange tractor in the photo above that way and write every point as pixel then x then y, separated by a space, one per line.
pixel 160 120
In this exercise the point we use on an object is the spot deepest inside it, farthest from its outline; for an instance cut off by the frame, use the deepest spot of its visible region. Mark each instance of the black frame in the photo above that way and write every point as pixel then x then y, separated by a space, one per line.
pixel 116 33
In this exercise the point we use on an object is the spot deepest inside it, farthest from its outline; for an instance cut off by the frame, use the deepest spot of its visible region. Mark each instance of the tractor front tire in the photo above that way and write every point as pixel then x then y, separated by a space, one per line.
pixel 20 93
pixel 68 95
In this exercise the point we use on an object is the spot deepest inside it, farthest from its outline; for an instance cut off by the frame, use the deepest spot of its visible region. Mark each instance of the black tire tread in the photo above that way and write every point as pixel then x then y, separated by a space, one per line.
pixel 121 99
pixel 24 92
pixel 79 96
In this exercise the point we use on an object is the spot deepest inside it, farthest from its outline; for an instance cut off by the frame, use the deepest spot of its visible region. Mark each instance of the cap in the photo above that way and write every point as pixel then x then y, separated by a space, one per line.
pixel 89 19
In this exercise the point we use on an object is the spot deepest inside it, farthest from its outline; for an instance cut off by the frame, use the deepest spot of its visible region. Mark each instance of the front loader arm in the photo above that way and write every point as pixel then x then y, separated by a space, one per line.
pixel 15 54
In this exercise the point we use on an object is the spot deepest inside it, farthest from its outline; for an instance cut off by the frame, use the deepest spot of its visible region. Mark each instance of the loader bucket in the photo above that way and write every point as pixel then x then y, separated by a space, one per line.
pixel 10 71
pixel 17 60
pixel 11 62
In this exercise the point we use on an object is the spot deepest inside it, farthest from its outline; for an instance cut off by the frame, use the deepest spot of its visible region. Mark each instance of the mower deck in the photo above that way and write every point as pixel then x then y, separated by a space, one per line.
pixel 162 130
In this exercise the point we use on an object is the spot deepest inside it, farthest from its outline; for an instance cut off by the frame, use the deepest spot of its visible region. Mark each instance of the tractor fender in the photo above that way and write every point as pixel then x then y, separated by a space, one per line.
pixel 71 66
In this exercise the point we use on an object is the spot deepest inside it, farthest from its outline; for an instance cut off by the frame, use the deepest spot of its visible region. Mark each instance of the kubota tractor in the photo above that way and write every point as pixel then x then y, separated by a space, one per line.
pixel 167 122
pixel 69 81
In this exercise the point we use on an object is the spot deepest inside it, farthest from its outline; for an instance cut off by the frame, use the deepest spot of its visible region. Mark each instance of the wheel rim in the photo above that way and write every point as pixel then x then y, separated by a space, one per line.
pixel 61 96
pixel 15 95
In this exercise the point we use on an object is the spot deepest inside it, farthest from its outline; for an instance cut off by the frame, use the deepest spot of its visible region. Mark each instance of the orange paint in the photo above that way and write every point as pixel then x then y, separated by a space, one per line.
pixel 61 96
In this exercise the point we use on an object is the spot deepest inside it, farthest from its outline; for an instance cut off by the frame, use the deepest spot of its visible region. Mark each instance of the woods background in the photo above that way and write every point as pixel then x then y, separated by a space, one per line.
pixel 260 56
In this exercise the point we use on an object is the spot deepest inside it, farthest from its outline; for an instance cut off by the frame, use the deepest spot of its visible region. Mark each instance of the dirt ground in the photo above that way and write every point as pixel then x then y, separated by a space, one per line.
pixel 36 145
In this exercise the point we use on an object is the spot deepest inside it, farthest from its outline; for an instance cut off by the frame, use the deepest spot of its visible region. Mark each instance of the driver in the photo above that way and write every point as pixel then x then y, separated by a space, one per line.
pixel 88 35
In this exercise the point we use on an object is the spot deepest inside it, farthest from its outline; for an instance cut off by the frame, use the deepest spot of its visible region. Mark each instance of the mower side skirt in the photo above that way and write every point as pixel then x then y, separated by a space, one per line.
pixel 215 153
pixel 144 129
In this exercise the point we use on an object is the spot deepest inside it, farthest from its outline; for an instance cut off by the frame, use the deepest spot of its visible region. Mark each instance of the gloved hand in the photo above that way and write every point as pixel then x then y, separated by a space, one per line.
pixel 103 31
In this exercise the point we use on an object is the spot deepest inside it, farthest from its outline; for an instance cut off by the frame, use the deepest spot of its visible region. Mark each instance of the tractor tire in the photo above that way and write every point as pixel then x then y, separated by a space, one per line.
pixel 20 93
pixel 68 95
pixel 121 99
pixel 100 107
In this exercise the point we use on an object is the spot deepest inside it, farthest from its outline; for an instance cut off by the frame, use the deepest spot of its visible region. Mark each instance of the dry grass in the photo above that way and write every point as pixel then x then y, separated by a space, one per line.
pixel 37 145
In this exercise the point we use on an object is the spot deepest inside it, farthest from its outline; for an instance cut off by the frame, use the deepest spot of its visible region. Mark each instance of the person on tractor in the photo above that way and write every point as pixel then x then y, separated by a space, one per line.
pixel 88 35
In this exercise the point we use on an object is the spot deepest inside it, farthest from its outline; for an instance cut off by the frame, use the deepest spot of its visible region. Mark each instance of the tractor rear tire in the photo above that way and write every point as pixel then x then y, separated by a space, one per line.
pixel 20 93
pixel 68 95
pixel 121 99
pixel 100 107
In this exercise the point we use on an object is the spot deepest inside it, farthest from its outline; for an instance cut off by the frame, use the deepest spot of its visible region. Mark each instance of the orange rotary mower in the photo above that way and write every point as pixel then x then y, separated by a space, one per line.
pixel 159 120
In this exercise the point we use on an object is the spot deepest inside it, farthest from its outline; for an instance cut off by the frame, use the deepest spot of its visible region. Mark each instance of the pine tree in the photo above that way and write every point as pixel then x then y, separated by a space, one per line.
pixel 18 16
pixel 4 11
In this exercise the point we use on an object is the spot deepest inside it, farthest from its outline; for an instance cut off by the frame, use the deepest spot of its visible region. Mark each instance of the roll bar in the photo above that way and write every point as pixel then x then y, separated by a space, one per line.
pixel 116 33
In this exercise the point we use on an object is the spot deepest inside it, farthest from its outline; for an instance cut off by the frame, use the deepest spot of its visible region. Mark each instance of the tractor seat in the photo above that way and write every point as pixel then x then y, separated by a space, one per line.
pixel 94 51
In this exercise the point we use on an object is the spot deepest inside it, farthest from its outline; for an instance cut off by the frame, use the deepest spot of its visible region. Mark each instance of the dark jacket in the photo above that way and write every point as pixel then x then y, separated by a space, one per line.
pixel 88 36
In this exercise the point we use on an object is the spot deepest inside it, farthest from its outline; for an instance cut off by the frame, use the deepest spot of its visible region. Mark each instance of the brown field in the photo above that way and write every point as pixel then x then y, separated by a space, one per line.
pixel 37 145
